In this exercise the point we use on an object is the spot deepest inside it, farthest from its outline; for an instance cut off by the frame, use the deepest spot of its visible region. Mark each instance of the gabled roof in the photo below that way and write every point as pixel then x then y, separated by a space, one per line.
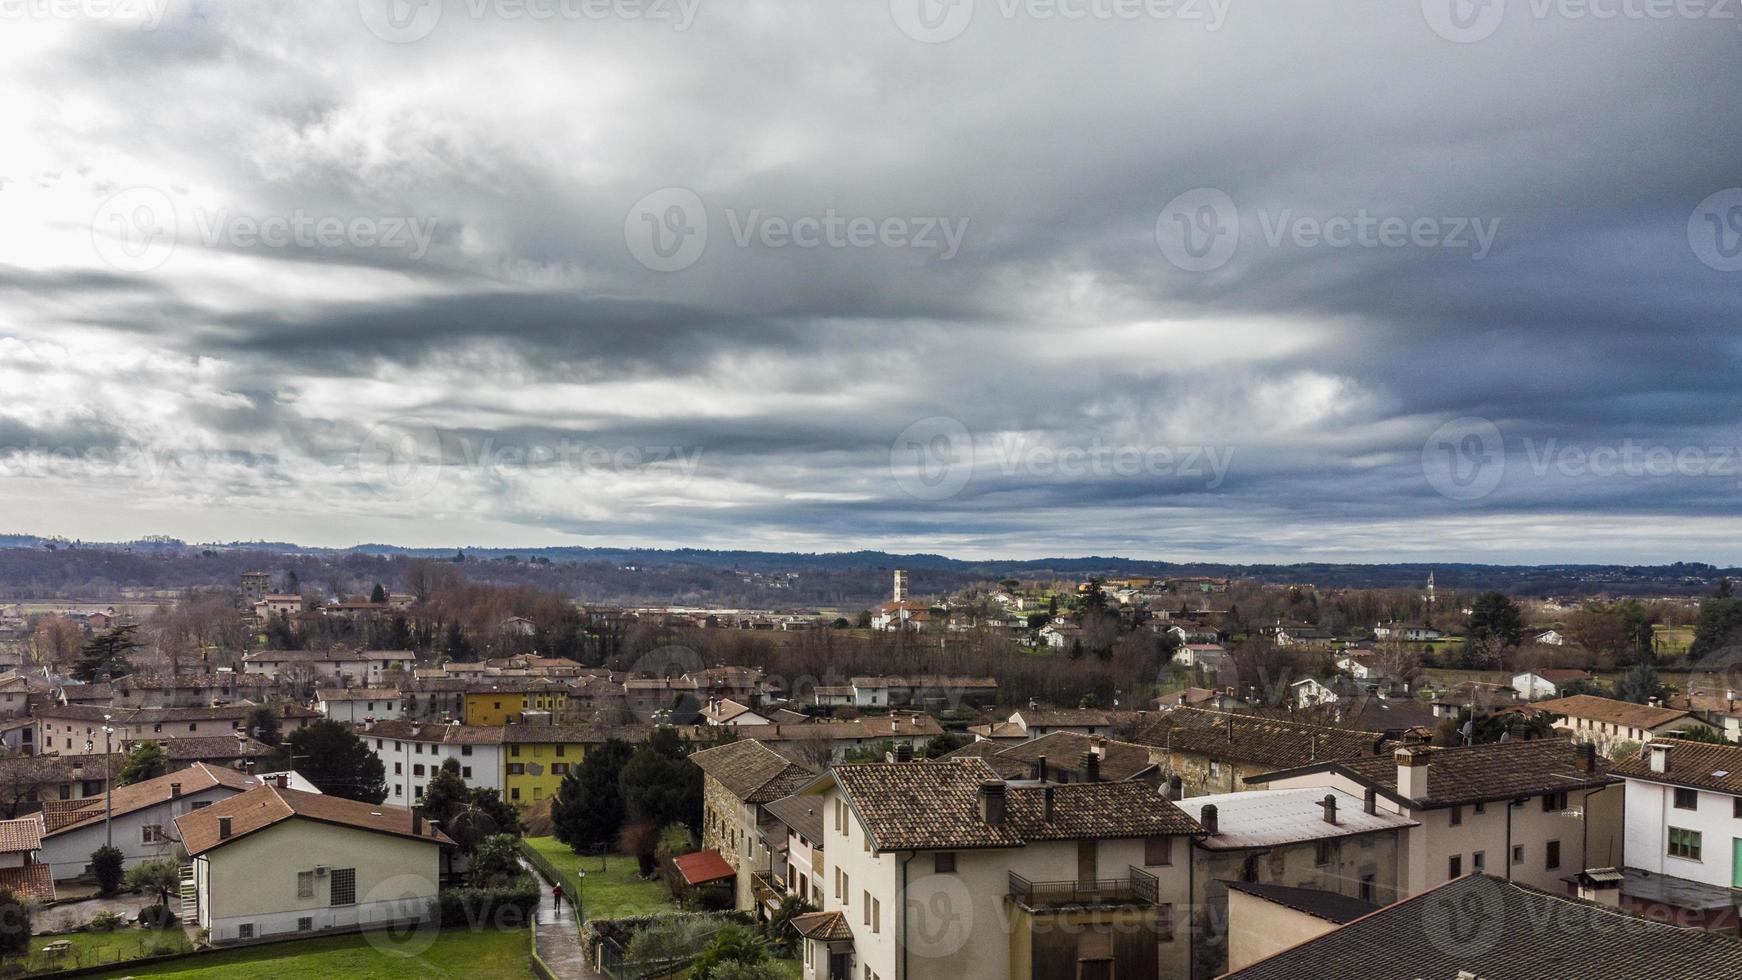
pixel 1062 717
pixel 822 926
pixel 1319 904
pixel 803 814
pixel 1475 773
pixel 65 816
pixel 1253 739
pixel 1287 816
pixel 751 771
pixel 269 805
pixel 1701 765
pixel 1482 926
pixel 1612 711
pixel 34 881
pixel 23 834
pixel 1119 761
pixel 702 867
pixel 991 753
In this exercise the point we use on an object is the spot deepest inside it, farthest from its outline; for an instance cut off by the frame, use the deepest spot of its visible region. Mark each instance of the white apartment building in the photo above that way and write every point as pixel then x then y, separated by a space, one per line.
pixel 412 751
pixel 1684 832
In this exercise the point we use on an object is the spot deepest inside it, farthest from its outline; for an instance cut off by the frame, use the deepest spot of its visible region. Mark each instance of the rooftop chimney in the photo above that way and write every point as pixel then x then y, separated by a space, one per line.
pixel 1207 817
pixel 1091 767
pixel 1041 767
pixel 1659 755
pixel 417 821
pixel 1330 805
pixel 175 791
pixel 1370 801
pixel 1046 798
pixel 992 802
pixel 1175 788
pixel 223 828
pixel 1412 773
pixel 1098 744
pixel 1587 757
pixel 904 752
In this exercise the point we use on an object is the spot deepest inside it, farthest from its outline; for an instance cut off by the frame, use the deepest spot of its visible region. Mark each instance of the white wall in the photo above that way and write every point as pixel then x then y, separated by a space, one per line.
pixel 68 852
pixel 388 708
pixel 1651 812
pixel 403 786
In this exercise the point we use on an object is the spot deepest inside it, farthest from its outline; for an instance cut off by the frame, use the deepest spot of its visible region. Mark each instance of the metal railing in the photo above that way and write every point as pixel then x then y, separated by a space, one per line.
pixel 1137 888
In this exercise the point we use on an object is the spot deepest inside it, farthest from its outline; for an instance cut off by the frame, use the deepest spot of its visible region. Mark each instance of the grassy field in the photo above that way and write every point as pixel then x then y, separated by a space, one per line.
pixel 612 889
pixel 98 948
pixel 456 953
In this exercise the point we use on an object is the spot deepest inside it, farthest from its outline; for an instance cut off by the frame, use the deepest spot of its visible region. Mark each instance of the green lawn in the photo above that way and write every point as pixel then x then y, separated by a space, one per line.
pixel 456 953
pixel 98 948
pixel 612 889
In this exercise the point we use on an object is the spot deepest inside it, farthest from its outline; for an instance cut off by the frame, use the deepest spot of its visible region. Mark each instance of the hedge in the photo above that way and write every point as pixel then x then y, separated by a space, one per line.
pixel 509 907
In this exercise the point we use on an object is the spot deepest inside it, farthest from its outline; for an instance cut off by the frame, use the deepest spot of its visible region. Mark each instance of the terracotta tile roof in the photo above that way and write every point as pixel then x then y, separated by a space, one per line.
pixel 195 748
pixel 1253 739
pixel 702 867
pixel 1478 773
pixel 803 814
pixel 1119 760
pixel 989 752
pixel 1695 764
pixel 935 806
pixel 822 926
pixel 267 805
pixel 146 716
pixel 1482 926
pixel 751 771
pixel 196 778
pixel 1063 717
pixel 23 834
pixel 1614 712
pixel 34 881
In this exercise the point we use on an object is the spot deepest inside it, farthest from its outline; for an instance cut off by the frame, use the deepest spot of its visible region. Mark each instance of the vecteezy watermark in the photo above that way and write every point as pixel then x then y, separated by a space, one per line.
pixel 935 458
pixel 1199 231
pixel 146 13
pixel 405 21
pixel 138 230
pixel 937 21
pixel 667 230
pixel 1469 21
pixel 407 457
pixel 1715 230
pixel 136 465
pixel 1466 458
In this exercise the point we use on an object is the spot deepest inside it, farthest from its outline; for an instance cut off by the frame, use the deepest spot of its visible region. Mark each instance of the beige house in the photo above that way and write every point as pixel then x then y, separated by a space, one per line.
pixel 1607 722
pixel 1264 920
pixel 276 861
pixel 1215 751
pixel 943 870
pixel 1535 812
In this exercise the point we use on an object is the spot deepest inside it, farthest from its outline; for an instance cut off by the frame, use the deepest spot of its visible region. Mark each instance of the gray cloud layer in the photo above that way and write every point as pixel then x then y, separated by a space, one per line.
pixel 455 336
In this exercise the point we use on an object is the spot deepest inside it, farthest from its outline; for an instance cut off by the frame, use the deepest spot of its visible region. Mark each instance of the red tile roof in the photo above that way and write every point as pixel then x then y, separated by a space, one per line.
pixel 702 867
pixel 23 834
pixel 268 805
pixel 30 881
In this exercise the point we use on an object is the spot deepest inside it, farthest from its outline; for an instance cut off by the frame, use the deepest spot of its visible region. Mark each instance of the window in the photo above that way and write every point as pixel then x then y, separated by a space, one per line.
pixel 399 791
pixel 466 771
pixel 1736 807
pixel 66 791
pixel 152 833
pixel 1164 923
pixel 1455 866
pixel 1457 815
pixel 344 886
pixel 1215 768
pixel 1479 861
pixel 417 770
pixel 305 884
pixel 513 750
pixel 1686 799
pixel 1324 853
pixel 1157 851
pixel 1554 801
pixel 867 908
pixel 559 750
pixel 1366 895
pixel 559 769
pixel 1518 854
pixel 517 769
pixel 515 793
pixel 1481 808
pixel 465 750
pixel 305 924
pixel 1553 858
pixel 1684 843
pixel 245 931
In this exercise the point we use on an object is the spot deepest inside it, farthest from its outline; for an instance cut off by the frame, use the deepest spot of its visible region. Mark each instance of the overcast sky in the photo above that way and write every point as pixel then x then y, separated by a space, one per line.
pixel 1226 280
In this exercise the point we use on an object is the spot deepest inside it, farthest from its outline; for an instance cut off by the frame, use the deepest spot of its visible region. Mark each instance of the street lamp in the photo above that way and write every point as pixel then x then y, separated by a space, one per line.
pixel 108 785
pixel 581 899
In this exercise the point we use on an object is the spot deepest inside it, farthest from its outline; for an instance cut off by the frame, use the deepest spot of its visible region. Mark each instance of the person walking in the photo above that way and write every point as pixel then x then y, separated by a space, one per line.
pixel 556 893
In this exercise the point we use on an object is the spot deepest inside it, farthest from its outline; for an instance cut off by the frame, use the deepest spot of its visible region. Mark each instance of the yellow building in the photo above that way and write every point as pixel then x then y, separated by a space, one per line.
pixel 505 702
pixel 535 758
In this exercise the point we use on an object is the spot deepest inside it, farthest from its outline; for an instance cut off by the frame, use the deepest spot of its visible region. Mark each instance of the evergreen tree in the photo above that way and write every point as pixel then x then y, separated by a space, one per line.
pixel 1639 685
pixel 107 864
pixel 146 761
pixel 660 786
pixel 338 762
pixel 379 595
pixel 261 724
pixel 1495 616
pixel 588 808
pixel 106 654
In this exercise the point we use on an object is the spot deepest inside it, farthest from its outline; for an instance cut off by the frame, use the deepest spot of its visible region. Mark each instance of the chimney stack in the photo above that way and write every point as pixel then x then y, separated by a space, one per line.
pixel 1091 767
pixel 417 821
pixel 1587 757
pixel 1370 801
pixel 992 803
pixel 1330 805
pixel 1412 773
pixel 1046 797
pixel 175 791
pixel 223 828
pixel 1175 788
pixel 1207 817
pixel 1659 755
pixel 1040 765
pixel 904 752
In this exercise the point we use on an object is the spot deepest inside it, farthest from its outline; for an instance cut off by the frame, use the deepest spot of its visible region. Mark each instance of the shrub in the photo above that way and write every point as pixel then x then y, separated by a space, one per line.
pixel 157 917
pixel 731 945
pixel 106 922
pixel 511 905
pixel 14 924
pixel 672 938
pixel 106 865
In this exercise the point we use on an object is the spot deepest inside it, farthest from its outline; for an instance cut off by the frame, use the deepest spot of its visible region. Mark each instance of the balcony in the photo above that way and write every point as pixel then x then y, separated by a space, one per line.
pixel 1137 888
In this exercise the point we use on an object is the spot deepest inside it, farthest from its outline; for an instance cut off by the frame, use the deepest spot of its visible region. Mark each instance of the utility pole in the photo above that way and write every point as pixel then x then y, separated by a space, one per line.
pixel 108 785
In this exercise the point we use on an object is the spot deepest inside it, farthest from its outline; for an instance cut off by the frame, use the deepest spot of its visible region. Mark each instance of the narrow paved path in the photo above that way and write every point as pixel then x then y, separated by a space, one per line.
pixel 559 940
